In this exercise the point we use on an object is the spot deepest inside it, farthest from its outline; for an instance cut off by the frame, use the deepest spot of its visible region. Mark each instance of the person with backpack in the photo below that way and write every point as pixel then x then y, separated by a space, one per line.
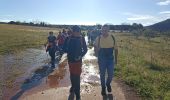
pixel 60 40
pixel 106 51
pixel 64 34
pixel 75 47
pixel 51 48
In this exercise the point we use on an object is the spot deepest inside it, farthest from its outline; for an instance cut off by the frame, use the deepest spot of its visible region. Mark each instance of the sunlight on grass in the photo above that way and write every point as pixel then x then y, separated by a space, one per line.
pixel 144 65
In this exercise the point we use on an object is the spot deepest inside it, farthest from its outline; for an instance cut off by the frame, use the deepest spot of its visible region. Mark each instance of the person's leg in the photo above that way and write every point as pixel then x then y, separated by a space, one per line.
pixel 77 86
pixel 102 69
pixel 72 83
pixel 110 71
pixel 52 55
pixel 61 50
pixel 53 59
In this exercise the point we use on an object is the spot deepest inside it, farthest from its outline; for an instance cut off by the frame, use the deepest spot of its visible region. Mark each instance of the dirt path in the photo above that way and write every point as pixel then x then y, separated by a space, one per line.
pixel 120 92
pixel 57 84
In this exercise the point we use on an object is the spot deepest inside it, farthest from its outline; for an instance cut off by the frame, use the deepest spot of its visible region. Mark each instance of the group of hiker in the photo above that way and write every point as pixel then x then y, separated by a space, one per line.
pixel 73 43
pixel 55 43
pixel 92 35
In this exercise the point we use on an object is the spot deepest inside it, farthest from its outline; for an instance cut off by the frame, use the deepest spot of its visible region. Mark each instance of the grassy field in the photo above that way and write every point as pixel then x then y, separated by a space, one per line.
pixel 145 65
pixel 142 64
pixel 14 38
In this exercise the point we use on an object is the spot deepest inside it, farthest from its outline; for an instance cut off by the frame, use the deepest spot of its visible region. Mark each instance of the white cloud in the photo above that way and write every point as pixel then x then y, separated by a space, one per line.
pixel 81 23
pixel 4 20
pixel 140 17
pixel 146 19
pixel 164 12
pixel 6 16
pixel 162 3
pixel 135 17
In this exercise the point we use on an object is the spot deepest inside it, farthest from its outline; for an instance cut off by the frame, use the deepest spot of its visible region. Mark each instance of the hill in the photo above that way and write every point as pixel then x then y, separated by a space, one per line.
pixel 163 26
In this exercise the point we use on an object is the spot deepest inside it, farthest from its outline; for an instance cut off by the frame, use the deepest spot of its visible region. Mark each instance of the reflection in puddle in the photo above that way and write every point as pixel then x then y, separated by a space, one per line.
pixel 47 78
pixel 17 67
pixel 60 76
pixel 90 55
pixel 36 79
pixel 90 74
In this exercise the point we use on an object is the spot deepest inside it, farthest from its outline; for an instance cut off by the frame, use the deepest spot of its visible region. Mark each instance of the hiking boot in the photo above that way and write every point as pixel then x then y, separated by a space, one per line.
pixel 103 92
pixel 109 88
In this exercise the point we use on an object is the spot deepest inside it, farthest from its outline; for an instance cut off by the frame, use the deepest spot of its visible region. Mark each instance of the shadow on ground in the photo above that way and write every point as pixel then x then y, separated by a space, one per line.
pixel 34 81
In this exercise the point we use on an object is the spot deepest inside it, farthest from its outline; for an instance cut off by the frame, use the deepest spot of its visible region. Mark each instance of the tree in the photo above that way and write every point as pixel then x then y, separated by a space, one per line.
pixel 148 33
pixel 137 33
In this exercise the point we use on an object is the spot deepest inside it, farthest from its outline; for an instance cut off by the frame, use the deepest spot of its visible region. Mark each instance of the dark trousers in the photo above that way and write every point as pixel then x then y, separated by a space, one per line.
pixel 52 55
pixel 75 84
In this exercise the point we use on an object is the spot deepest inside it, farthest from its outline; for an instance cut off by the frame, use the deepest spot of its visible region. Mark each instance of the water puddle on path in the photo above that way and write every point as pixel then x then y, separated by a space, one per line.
pixel 90 74
pixel 17 67
pixel 40 77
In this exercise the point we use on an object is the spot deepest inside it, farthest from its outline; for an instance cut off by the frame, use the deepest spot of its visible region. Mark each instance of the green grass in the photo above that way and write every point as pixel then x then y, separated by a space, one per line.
pixel 14 38
pixel 145 65
pixel 142 64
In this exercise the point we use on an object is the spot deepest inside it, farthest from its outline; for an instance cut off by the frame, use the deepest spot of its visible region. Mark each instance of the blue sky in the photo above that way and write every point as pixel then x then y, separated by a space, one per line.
pixel 85 12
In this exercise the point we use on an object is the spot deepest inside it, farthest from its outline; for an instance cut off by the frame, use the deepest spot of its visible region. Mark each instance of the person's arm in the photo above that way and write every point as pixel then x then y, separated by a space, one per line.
pixel 46 45
pixel 96 46
pixel 65 45
pixel 55 39
pixel 116 53
pixel 96 42
pixel 84 47
pixel 58 36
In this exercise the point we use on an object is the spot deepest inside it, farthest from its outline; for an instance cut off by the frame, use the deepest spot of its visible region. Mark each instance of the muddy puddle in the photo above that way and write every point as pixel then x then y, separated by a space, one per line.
pixel 60 76
pixel 39 76
pixel 16 68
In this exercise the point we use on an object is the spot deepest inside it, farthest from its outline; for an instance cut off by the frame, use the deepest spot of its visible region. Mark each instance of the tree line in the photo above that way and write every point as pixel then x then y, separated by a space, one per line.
pixel 137 29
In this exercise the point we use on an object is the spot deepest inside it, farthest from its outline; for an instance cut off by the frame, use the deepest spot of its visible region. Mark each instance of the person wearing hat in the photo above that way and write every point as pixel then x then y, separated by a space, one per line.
pixel 75 47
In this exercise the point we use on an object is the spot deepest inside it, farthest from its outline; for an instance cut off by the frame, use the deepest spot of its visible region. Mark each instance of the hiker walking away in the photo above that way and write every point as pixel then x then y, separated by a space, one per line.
pixel 106 49
pixel 64 33
pixel 75 47
pixel 94 34
pixel 60 40
pixel 69 32
pixel 51 48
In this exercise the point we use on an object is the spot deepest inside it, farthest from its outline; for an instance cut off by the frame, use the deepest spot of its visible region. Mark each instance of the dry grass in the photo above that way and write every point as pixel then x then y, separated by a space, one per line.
pixel 145 65
pixel 14 38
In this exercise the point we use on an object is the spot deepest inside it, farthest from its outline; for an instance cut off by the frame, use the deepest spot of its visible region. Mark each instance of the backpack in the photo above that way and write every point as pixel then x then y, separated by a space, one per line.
pixel 51 39
pixel 61 39
pixel 51 43
pixel 97 48
pixel 81 46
